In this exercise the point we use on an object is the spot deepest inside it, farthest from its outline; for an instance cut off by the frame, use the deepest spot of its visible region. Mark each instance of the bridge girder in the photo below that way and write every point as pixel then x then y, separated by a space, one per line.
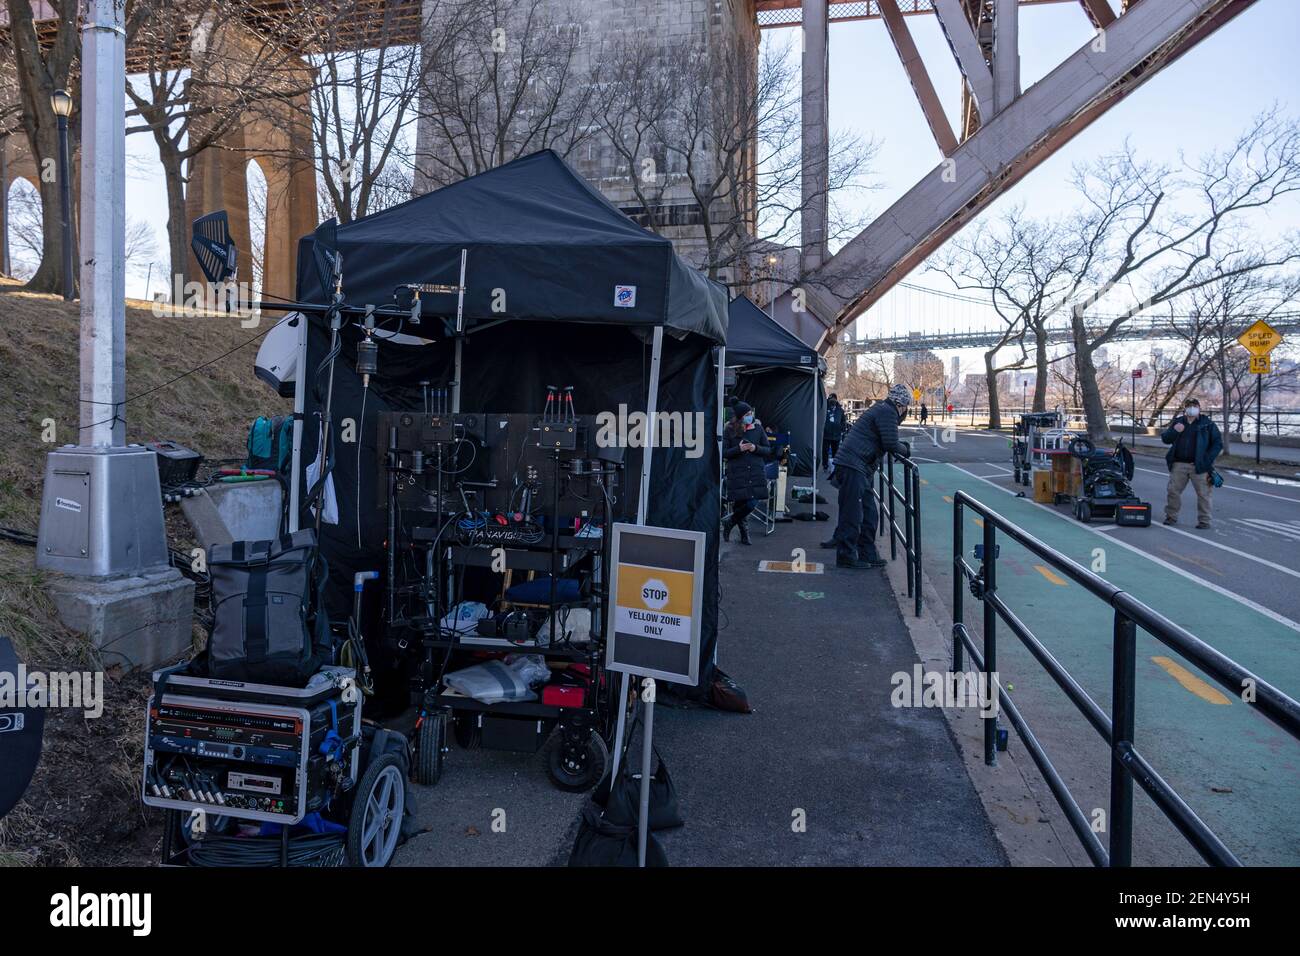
pixel 1016 133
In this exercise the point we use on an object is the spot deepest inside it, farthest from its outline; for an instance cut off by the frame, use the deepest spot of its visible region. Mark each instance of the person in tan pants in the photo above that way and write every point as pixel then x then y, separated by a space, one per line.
pixel 1194 443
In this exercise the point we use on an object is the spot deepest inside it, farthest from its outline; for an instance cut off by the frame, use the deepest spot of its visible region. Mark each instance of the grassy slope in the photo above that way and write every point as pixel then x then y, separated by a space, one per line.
pixel 82 806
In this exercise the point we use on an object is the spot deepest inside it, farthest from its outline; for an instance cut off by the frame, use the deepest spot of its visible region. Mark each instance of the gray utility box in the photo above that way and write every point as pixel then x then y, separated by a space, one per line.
pixel 101 513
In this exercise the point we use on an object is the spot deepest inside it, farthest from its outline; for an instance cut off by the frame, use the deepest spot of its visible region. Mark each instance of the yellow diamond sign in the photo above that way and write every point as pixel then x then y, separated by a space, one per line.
pixel 1261 338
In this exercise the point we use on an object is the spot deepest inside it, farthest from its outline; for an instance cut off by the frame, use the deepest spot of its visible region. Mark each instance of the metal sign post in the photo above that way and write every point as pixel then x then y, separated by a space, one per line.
pixel 1133 402
pixel 1259 340
pixel 657 589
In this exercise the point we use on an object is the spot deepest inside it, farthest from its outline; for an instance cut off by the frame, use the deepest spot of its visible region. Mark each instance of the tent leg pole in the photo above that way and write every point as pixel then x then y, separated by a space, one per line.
pixel 299 403
pixel 621 726
pixel 652 424
pixel 816 445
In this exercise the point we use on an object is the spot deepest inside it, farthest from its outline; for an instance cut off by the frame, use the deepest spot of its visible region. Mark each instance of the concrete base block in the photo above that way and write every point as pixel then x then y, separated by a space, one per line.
pixel 235 512
pixel 140 621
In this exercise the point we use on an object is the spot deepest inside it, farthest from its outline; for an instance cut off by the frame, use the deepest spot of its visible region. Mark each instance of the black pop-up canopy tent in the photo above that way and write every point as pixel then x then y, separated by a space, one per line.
pixel 781 377
pixel 560 288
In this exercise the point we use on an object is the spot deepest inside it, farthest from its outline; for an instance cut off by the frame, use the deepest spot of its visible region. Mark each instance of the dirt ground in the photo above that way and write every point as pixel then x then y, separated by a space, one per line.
pixel 83 807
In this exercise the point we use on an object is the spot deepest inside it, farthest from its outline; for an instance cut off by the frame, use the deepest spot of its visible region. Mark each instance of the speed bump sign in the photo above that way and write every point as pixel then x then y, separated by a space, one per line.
pixel 657 589
pixel 1261 338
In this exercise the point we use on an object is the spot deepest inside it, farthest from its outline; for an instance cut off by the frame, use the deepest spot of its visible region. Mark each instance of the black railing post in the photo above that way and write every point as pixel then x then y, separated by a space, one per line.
pixel 958 584
pixel 1121 735
pixel 907 531
pixel 893 530
pixel 990 640
pixel 916 532
pixel 882 513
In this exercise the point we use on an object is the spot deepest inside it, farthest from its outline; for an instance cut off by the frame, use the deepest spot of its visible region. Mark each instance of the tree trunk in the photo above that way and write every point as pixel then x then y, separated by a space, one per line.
pixel 991 386
pixel 1040 369
pixel 1093 409
pixel 178 242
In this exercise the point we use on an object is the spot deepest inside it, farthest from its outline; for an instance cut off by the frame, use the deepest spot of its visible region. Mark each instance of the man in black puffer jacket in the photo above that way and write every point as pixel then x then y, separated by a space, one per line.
pixel 872 436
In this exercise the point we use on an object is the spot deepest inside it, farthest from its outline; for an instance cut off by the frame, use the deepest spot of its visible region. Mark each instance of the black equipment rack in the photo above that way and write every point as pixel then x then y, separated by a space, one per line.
pixel 457 538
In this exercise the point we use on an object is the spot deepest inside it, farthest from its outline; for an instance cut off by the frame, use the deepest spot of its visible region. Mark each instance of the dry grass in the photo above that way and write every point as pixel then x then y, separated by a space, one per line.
pixel 82 806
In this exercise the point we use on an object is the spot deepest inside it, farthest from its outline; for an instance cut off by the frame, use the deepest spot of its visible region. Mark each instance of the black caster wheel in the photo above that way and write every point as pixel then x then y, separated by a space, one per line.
pixel 430 747
pixel 467 732
pixel 574 764
pixel 375 823
pixel 1083 512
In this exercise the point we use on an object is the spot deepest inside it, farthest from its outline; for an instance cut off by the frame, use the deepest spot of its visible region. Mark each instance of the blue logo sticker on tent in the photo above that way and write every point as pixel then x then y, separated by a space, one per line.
pixel 625 296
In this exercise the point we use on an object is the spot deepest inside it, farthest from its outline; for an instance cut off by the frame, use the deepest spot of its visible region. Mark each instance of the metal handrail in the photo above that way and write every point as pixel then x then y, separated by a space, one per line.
pixel 1117 728
pixel 887 496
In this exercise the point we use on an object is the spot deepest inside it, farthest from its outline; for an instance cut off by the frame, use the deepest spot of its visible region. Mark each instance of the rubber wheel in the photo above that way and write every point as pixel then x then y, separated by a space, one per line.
pixel 1085 512
pixel 1016 480
pixel 576 769
pixel 430 746
pixel 467 732
pixel 375 824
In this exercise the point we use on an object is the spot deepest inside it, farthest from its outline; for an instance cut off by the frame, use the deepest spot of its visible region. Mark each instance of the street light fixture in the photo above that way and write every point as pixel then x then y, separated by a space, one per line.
pixel 61 103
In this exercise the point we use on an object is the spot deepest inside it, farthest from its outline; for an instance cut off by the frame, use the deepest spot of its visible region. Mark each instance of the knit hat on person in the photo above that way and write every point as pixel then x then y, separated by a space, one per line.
pixel 741 408
pixel 900 395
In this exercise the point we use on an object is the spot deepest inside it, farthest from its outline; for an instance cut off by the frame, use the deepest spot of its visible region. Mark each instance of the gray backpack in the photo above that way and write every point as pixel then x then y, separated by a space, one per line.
pixel 270 624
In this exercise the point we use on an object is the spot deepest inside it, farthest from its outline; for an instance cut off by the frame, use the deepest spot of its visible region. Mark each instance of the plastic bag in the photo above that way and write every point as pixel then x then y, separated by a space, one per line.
pixel 494 682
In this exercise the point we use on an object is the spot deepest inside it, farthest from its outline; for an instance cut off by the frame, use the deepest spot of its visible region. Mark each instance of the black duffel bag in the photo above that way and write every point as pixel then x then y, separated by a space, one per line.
pixel 622 802
pixel 603 843
pixel 270 625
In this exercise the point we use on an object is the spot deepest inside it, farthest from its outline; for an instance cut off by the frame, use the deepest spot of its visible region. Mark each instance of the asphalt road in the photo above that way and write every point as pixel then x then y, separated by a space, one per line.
pixel 1251 550
pixel 1234 586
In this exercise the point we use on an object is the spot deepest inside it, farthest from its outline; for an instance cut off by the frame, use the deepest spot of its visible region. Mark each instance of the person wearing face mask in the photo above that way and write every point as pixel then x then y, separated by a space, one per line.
pixel 872 436
pixel 1194 443
pixel 745 449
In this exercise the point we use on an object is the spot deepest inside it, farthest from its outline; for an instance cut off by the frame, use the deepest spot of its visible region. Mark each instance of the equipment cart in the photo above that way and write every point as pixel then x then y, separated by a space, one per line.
pixel 536 507
pixel 1035 436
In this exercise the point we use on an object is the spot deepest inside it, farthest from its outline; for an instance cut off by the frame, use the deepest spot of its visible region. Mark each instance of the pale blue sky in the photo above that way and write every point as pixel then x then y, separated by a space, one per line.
pixel 1200 102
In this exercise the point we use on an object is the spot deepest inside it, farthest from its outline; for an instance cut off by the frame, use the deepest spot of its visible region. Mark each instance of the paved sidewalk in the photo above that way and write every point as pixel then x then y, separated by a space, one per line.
pixel 879 785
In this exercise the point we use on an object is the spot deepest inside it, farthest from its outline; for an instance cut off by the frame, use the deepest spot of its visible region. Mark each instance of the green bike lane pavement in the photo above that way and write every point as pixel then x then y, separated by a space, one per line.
pixel 1238 771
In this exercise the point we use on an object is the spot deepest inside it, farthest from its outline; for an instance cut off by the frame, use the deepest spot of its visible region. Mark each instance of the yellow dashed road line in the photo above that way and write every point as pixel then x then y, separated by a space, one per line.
pixel 1191 682
pixel 1051 576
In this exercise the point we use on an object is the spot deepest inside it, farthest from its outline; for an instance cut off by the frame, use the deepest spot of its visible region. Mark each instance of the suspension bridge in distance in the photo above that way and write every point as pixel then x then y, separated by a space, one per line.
pixel 914 318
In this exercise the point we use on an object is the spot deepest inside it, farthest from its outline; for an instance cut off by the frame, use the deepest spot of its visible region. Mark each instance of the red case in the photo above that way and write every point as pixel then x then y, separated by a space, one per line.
pixel 558 695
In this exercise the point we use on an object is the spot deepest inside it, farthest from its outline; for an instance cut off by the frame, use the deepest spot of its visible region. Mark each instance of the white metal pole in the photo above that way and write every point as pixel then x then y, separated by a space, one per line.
pixel 647 458
pixel 103 226
pixel 816 445
pixel 652 425
pixel 299 403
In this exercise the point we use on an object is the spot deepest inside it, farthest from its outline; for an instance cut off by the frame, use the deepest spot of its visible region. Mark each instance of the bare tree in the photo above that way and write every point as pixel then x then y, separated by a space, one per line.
pixel 205 67
pixel 40 68
pixel 1149 237
pixel 710 139
pixel 507 81
pixel 364 101
pixel 1026 267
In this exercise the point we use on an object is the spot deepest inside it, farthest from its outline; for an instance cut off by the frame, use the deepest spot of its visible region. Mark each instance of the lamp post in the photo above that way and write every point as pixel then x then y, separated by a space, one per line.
pixel 771 286
pixel 61 103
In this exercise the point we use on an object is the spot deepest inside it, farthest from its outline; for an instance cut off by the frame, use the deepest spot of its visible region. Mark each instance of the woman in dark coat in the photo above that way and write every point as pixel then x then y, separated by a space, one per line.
pixel 746 450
